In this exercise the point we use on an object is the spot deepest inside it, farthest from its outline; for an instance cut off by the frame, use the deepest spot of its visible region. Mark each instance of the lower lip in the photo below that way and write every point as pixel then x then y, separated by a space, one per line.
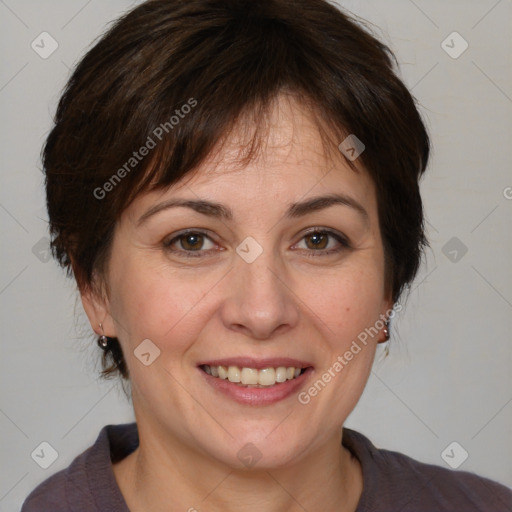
pixel 257 396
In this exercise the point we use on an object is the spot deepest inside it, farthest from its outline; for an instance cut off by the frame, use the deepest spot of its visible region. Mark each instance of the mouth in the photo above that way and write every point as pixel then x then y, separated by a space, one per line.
pixel 256 382
pixel 252 377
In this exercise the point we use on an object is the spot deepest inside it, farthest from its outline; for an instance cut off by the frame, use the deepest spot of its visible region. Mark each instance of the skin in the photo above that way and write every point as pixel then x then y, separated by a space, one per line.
pixel 284 304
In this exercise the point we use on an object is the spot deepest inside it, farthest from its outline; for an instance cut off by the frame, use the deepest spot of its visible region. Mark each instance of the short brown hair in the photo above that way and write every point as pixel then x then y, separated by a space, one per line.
pixel 193 69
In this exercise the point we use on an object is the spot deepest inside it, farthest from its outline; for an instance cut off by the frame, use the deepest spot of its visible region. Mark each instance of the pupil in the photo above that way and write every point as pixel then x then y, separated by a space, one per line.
pixel 192 242
pixel 318 240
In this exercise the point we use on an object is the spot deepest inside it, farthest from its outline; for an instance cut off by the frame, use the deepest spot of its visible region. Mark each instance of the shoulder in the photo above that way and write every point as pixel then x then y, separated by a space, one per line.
pixel 88 482
pixel 54 495
pixel 392 479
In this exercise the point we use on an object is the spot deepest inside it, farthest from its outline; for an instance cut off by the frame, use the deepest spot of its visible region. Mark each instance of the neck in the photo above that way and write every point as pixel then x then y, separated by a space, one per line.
pixel 164 476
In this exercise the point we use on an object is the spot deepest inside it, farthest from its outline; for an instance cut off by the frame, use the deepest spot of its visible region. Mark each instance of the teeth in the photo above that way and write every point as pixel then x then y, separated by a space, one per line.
pixel 267 377
pixel 252 377
pixel 281 374
pixel 249 376
pixel 222 370
pixel 234 374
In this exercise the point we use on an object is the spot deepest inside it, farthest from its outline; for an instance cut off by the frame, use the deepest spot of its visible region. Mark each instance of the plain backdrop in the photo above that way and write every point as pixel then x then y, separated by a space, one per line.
pixel 448 375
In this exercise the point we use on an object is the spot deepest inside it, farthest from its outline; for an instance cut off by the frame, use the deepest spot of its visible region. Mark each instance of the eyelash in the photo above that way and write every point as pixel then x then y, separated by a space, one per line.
pixel 344 243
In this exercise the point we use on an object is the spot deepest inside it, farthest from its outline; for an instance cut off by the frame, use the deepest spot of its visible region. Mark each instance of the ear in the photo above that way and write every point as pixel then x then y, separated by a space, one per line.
pixel 97 308
pixel 387 308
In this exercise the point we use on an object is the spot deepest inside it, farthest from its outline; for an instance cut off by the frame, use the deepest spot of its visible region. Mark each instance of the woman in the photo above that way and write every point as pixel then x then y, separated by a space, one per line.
pixel 234 187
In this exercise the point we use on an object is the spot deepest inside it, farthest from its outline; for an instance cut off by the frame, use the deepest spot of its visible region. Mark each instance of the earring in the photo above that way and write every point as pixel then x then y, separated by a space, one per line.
pixel 103 340
pixel 386 331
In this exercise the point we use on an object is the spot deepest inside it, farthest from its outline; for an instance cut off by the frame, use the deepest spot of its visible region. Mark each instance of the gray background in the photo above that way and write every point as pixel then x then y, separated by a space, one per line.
pixel 447 377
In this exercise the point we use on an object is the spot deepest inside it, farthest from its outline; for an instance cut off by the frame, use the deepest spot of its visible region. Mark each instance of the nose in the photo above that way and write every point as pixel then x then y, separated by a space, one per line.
pixel 258 300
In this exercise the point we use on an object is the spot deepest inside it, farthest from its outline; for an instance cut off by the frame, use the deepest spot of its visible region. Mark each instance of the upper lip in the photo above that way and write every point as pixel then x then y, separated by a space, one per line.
pixel 257 364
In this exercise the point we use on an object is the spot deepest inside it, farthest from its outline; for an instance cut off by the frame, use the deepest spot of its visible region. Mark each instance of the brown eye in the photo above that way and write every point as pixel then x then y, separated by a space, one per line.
pixel 317 240
pixel 321 242
pixel 191 241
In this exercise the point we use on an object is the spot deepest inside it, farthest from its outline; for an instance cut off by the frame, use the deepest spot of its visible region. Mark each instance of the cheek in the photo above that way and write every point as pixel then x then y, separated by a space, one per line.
pixel 162 306
pixel 347 301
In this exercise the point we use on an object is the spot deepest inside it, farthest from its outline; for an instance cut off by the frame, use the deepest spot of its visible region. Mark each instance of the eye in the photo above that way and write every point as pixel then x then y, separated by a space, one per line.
pixel 194 243
pixel 189 242
pixel 321 242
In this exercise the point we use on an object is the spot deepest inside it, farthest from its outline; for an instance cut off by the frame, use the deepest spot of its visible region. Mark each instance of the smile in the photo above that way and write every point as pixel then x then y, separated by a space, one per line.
pixel 252 377
pixel 256 381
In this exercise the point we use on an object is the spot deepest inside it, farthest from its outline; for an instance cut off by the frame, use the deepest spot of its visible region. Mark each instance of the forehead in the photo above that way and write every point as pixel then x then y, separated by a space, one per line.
pixel 287 137
pixel 292 160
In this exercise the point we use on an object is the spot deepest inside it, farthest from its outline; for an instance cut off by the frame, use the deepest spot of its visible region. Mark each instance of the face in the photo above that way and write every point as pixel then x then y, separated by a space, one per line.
pixel 244 267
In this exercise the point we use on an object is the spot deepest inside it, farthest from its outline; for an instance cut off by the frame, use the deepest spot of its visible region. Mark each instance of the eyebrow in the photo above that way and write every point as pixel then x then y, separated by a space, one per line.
pixel 295 210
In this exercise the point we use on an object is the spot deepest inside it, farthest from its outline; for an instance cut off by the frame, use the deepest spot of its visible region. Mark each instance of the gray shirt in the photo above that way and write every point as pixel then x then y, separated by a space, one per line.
pixel 393 482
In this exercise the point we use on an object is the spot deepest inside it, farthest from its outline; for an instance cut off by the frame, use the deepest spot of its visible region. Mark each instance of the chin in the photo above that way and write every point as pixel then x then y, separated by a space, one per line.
pixel 259 446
